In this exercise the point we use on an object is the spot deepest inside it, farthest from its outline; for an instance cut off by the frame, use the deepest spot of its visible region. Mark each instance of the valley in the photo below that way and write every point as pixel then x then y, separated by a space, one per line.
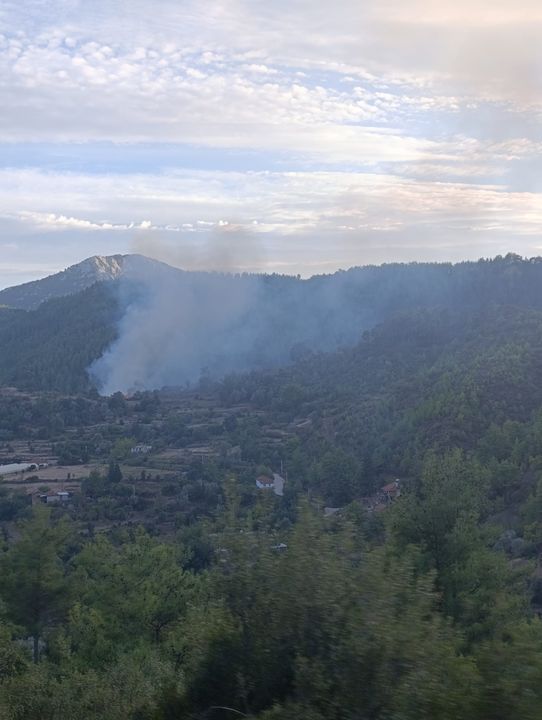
pixel 390 486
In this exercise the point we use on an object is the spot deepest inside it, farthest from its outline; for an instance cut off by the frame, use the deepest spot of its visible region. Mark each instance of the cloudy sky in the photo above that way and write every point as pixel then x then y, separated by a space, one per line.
pixel 287 135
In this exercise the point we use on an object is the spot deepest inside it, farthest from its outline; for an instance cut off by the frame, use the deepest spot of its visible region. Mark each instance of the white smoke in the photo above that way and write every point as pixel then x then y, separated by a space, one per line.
pixel 175 329
pixel 179 325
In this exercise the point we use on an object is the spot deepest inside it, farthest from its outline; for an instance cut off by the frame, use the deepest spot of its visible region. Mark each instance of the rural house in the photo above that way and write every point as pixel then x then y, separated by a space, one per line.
pixel 62 496
pixel 265 483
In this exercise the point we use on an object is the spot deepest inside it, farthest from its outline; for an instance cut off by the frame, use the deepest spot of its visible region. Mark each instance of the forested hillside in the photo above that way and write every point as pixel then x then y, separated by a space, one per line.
pixel 50 348
pixel 170 326
pixel 262 478
pixel 436 377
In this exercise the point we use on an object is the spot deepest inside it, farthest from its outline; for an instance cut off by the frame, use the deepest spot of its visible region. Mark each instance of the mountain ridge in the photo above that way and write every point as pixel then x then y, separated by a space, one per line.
pixel 135 266
pixel 79 277
pixel 165 326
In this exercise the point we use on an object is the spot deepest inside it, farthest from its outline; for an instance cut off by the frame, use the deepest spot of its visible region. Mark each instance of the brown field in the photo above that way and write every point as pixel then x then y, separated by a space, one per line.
pixel 59 473
pixel 56 477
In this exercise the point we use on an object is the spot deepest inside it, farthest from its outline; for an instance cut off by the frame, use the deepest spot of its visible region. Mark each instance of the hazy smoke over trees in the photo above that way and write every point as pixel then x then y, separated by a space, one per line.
pixel 172 330
pixel 177 325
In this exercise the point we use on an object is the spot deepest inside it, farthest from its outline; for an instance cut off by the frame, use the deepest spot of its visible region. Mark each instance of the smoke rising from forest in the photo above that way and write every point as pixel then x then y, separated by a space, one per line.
pixel 225 247
pixel 178 325
pixel 173 331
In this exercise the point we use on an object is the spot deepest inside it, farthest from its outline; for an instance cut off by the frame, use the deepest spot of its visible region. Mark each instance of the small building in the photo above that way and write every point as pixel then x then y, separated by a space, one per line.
pixel 263 482
pixel 392 490
pixel 141 449
pixel 63 496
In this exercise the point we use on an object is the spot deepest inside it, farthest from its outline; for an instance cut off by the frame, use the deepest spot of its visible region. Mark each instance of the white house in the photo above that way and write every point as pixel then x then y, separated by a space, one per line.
pixel 263 482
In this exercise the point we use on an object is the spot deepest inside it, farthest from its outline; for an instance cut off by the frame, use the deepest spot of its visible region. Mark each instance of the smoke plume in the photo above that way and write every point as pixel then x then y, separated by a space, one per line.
pixel 178 325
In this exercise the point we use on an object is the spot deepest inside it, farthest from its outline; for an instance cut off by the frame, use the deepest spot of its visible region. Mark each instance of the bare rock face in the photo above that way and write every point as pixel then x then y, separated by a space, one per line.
pixel 99 267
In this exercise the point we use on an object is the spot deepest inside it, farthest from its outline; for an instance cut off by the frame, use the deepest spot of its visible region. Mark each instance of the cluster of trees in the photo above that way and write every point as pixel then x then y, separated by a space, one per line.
pixel 47 416
pixel 423 380
pixel 431 379
pixel 327 620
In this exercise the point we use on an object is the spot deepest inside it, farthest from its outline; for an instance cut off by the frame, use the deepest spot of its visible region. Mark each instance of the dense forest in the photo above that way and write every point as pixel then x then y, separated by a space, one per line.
pixel 166 326
pixel 51 348
pixel 172 587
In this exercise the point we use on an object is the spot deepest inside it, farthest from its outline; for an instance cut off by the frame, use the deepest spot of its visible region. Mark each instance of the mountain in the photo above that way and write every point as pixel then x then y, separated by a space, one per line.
pixel 76 278
pixel 141 324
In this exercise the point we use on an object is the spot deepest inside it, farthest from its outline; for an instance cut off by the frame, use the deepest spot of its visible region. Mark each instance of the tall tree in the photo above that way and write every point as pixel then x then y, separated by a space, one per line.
pixel 35 583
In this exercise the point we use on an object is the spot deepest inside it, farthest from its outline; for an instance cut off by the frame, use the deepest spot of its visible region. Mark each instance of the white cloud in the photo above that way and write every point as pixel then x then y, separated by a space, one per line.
pixel 96 94
pixel 304 220
pixel 172 73
pixel 416 37
pixel 51 221
pixel 290 200
pixel 393 116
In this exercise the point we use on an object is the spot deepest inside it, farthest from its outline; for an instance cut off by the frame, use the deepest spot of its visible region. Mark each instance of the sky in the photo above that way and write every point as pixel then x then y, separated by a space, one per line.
pixel 295 136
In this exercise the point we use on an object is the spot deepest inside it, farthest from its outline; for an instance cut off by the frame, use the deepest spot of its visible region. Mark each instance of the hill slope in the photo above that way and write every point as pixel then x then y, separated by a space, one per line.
pixel 162 326
pixel 76 278
pixel 51 347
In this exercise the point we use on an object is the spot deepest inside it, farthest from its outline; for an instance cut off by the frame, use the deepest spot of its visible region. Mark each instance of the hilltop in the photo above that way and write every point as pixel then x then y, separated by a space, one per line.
pixel 78 277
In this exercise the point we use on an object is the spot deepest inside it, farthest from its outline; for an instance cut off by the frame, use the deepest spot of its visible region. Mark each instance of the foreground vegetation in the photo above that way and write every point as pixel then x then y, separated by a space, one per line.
pixel 428 623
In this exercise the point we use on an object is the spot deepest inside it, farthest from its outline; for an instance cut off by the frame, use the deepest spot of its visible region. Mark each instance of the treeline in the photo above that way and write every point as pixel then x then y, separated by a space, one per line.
pixel 269 321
